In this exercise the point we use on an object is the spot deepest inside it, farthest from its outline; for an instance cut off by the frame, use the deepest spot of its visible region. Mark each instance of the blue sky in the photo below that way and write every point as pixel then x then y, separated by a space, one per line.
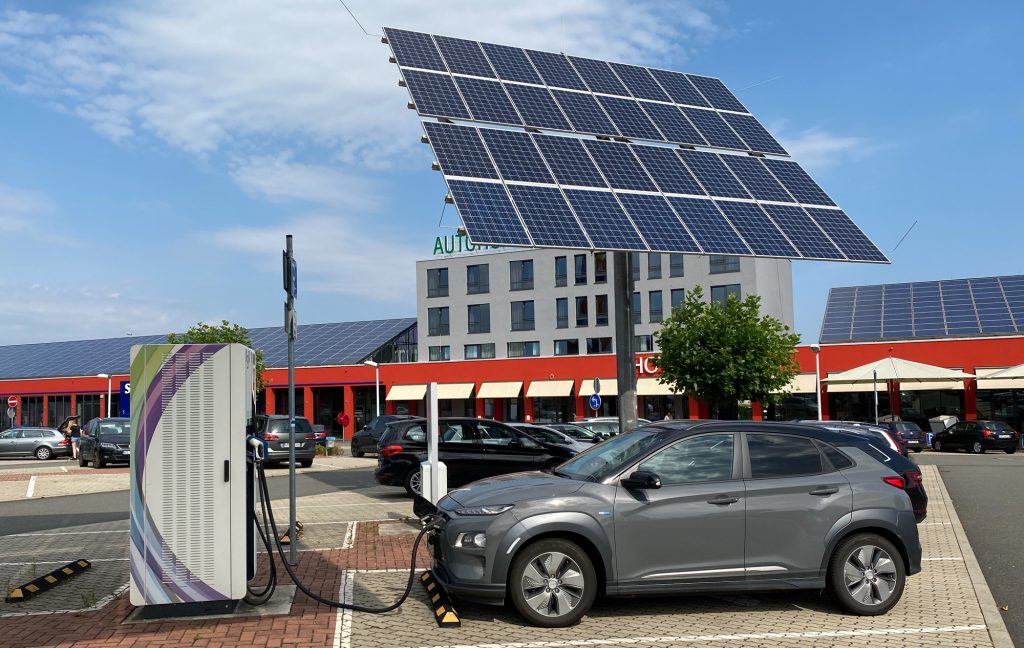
pixel 154 154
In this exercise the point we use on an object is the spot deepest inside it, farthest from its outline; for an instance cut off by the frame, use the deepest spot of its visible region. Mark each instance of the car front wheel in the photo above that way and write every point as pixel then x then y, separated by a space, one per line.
pixel 43 453
pixel 937 445
pixel 866 575
pixel 414 482
pixel 977 448
pixel 552 583
pixel 355 450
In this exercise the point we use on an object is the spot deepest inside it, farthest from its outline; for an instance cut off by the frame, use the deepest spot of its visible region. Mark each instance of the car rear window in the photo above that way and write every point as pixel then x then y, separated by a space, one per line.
pixel 907 427
pixel 998 426
pixel 779 455
pixel 280 426
pixel 838 459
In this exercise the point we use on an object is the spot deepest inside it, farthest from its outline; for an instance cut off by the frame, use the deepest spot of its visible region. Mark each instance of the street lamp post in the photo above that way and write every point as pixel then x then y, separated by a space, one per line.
pixel 376 386
pixel 817 375
pixel 107 376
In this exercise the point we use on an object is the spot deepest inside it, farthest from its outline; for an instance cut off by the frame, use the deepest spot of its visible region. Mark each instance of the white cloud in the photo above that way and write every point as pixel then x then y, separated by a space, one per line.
pixel 278 178
pixel 817 149
pixel 20 208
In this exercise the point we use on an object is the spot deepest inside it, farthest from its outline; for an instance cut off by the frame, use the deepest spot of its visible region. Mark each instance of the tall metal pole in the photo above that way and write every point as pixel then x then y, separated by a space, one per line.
pixel 625 356
pixel 874 390
pixel 292 543
pixel 108 396
pixel 376 390
pixel 817 375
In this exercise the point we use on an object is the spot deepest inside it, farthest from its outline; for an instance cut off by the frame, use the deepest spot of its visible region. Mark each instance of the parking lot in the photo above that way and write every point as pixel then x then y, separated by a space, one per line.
pixel 354 530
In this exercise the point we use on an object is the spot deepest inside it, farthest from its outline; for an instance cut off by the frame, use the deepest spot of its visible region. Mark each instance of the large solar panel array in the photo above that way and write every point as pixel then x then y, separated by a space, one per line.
pixel 564 151
pixel 317 345
pixel 927 309
pixel 461 79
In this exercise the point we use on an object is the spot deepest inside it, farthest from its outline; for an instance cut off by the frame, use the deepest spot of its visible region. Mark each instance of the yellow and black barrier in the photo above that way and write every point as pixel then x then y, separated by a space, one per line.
pixel 47 582
pixel 440 603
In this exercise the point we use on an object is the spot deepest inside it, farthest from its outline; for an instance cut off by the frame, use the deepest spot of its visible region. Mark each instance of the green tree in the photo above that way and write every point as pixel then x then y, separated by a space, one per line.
pixel 721 353
pixel 225 333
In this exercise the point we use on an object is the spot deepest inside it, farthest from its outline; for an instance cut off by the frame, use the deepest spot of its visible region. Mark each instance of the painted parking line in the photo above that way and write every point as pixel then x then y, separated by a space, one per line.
pixel 350 536
pixel 31 486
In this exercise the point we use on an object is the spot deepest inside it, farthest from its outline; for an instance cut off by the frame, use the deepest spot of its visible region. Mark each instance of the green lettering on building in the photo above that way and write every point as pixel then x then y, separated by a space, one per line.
pixel 456 243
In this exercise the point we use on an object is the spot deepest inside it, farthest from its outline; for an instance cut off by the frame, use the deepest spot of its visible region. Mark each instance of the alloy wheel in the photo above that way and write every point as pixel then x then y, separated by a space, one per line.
pixel 870 575
pixel 43 453
pixel 552 584
pixel 976 448
pixel 415 482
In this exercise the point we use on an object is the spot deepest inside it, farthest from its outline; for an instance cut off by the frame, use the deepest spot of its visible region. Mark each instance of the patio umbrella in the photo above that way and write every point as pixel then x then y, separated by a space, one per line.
pixel 892 370
pixel 1010 373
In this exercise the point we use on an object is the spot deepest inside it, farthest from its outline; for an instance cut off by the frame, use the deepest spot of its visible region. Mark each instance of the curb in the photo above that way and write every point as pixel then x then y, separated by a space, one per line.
pixel 989 610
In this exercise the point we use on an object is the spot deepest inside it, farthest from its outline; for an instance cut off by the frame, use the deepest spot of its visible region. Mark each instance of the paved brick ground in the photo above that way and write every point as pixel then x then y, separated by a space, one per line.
pixel 940 606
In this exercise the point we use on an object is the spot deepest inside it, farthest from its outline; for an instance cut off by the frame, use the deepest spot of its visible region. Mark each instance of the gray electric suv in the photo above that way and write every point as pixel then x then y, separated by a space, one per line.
pixel 718 506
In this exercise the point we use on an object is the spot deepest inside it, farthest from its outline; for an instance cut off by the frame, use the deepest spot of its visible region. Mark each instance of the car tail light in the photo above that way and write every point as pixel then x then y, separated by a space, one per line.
pixel 270 436
pixel 912 478
pixel 310 437
pixel 985 432
pixel 895 481
pixel 62 442
pixel 390 450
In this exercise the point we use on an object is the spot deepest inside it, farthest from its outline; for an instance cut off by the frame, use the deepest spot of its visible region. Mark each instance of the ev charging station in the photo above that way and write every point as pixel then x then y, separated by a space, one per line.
pixel 192 537
pixel 433 472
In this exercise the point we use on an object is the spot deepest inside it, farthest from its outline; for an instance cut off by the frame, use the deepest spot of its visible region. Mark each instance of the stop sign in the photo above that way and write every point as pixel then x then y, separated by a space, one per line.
pixel 12 401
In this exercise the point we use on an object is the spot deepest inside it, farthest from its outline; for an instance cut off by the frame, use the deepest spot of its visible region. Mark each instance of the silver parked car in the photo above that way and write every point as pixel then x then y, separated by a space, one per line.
pixel 41 443
pixel 714 507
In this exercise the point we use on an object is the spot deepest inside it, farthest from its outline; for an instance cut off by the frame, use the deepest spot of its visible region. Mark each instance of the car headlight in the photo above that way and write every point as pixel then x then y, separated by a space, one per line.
pixel 471 540
pixel 483 510
pixel 108 446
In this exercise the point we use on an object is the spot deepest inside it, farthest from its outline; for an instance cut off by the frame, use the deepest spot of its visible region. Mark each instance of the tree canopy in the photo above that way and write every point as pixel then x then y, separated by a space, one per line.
pixel 224 333
pixel 719 353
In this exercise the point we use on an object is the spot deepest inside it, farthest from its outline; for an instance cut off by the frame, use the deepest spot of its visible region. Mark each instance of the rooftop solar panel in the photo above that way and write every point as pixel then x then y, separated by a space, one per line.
pixel 548 217
pixel 897 313
pixel 629 118
pixel 926 309
pixel 516 156
pixel 658 223
pixel 556 70
pixel 716 93
pixel 757 229
pixel 672 123
pixel 487 101
pixel 712 173
pixel 1013 290
pixel 667 170
pixel 583 111
pixel 753 133
pixel 958 305
pixel 708 226
pixel 413 49
pixel 993 311
pixel 867 313
pixel 619 166
pixel 463 56
pixel 537 107
pixel 569 161
pixel 640 82
pixel 604 221
pixel 755 177
pixel 679 88
pixel 599 76
pixel 435 95
pixel 714 129
pixel 838 318
pixel 511 63
pixel 488 214
pixel 459 151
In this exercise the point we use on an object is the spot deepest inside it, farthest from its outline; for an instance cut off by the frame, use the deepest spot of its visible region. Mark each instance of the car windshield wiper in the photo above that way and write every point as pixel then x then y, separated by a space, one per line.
pixel 562 473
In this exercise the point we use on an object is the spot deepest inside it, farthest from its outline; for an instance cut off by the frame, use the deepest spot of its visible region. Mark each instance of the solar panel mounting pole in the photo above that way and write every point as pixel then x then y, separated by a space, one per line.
pixel 625 356
pixel 291 286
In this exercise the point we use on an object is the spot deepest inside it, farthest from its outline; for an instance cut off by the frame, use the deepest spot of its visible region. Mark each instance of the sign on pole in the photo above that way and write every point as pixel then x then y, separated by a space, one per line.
pixel 12 401
pixel 595 402
pixel 597 385
pixel 11 413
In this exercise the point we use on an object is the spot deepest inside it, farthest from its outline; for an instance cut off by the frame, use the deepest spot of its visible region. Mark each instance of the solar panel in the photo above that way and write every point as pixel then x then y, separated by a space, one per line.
pixel 487 101
pixel 604 221
pixel 797 182
pixel 835 326
pixel 926 309
pixel 599 76
pixel 803 232
pixel 757 229
pixel 714 129
pixel 667 170
pixel 511 63
pixel 958 305
pixel 629 118
pixel 712 173
pixel 516 156
pixel 569 161
pixel 463 56
pixel 435 95
pixel 658 223
pixel 537 107
pixel 867 313
pixel 993 311
pixel 488 213
pixel 555 70
pixel 755 177
pixel 672 123
pixel 851 241
pixel 716 93
pixel 753 133
pixel 459 151
pixel 640 82
pixel 619 166
pixel 413 49
pixel 708 226
pixel 547 216
pixel 1013 290
pixel 897 315
pixel 584 112
pixel 679 88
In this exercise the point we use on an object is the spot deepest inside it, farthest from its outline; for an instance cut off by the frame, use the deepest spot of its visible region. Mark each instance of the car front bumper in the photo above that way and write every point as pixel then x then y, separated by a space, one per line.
pixel 120 455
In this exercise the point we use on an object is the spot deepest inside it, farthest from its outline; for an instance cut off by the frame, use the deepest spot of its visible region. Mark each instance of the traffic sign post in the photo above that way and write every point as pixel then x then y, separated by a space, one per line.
pixel 595 401
pixel 291 286
pixel 12 401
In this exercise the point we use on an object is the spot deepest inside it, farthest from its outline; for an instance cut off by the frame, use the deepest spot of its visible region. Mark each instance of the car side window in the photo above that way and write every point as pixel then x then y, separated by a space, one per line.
pixel 495 435
pixel 705 458
pixel 9 434
pixel 838 460
pixel 779 455
pixel 527 442
pixel 457 432
pixel 416 433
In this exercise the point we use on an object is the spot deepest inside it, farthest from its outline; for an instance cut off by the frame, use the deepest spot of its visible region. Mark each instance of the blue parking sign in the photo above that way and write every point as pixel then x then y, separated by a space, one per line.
pixel 125 401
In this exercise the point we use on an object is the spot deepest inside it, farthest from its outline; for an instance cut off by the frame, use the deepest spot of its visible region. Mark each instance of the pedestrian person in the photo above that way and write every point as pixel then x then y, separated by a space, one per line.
pixel 668 415
pixel 76 437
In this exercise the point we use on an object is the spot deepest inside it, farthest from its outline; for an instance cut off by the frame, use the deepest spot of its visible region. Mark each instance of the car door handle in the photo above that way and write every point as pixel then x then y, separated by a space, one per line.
pixel 825 491
pixel 723 500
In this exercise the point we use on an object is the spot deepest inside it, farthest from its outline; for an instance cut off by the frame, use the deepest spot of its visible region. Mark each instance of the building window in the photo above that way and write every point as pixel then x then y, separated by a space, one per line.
pixel 600 267
pixel 720 294
pixel 437 321
pixel 561 271
pixel 722 264
pixel 523 349
pixel 675 265
pixel 478 279
pixel 440 353
pixel 653 266
pixel 437 282
pixel 479 351
pixel 479 318
pixel 678 295
pixel 599 345
pixel 634 265
pixel 562 312
pixel 643 343
pixel 654 306
pixel 567 347
pixel 637 319
pixel 601 310
pixel 582 317
pixel 580 261
pixel 521 275
pixel 522 316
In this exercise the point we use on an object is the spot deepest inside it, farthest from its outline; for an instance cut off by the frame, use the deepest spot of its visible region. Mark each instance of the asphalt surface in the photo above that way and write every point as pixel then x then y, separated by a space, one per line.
pixel 988 495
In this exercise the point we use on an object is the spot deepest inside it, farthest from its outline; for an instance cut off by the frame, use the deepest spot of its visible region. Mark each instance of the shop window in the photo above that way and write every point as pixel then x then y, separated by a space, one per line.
pixel 58 408
pixel 562 312
pixel 438 353
pixel 437 321
pixel 580 261
pixel 479 351
pixel 720 294
pixel 675 265
pixel 599 345
pixel 478 279
pixel 600 267
pixel 32 411
pixel 653 266
pixel 654 306
pixel 561 271
pixel 521 275
pixel 601 310
pixel 567 347
pixel 636 309
pixel 479 318
pixel 582 317
pixel 437 282
pixel 523 349
pixel 722 264
pixel 522 316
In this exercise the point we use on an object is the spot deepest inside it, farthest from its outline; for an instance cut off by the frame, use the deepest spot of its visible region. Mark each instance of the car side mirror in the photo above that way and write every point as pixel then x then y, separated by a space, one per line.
pixel 515 443
pixel 642 480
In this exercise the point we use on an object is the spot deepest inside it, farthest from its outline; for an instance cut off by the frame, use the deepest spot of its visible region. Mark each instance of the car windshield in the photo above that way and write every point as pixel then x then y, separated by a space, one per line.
pixel 114 427
pixel 907 427
pixel 604 459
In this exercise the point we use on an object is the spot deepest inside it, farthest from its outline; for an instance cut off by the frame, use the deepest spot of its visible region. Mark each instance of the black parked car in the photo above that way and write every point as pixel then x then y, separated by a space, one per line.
pixel 470 448
pixel 365 440
pixel 909 432
pixel 977 437
pixel 105 440
pixel 274 430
